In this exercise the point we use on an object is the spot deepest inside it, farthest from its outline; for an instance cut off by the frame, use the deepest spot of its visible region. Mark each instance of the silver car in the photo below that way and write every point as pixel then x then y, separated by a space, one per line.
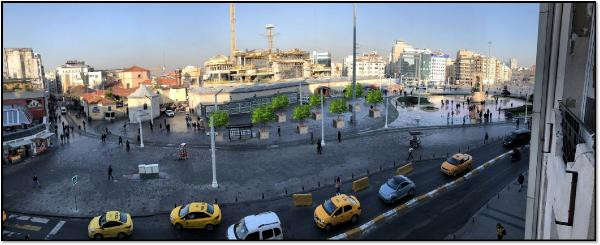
pixel 396 188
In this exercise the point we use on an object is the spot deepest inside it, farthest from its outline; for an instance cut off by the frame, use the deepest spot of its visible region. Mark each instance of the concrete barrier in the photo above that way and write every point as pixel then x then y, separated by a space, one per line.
pixel 302 199
pixel 407 168
pixel 360 184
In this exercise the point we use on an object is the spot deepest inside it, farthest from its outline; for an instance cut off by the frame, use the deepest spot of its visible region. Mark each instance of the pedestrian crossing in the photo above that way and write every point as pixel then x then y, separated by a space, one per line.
pixel 27 227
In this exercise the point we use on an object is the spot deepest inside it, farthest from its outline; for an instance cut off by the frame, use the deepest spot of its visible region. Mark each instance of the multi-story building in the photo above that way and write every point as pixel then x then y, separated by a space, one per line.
pixel 133 76
pixel 96 79
pixel 438 68
pixel 513 64
pixel 464 66
pixel 71 74
pixel 415 64
pixel 394 62
pixel 337 69
pixel 191 75
pixel 561 190
pixel 23 64
pixel 450 71
pixel 367 65
pixel 323 58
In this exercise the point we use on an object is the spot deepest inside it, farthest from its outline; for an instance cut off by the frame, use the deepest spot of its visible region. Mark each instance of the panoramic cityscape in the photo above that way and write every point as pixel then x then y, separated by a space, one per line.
pixel 298 121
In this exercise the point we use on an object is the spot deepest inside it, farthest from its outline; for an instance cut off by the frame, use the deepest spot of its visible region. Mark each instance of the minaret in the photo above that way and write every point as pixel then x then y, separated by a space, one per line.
pixel 232 32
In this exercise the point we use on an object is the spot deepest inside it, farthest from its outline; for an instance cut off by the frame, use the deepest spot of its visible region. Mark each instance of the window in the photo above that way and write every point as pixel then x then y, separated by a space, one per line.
pixel 202 215
pixel 347 208
pixel 277 231
pixel 139 75
pixel 403 184
pixel 145 106
pixel 267 234
pixel 338 212
pixel 252 237
pixel 111 224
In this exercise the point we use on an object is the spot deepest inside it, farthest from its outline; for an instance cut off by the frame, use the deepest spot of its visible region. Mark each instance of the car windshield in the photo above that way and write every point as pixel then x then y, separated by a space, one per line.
pixel 184 211
pixel 210 209
pixel 329 206
pixel 452 161
pixel 392 183
pixel 123 217
pixel 512 136
pixel 102 220
pixel 240 229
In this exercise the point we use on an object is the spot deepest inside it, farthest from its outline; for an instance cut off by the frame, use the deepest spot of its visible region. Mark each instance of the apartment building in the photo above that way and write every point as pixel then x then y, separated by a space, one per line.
pixel 24 65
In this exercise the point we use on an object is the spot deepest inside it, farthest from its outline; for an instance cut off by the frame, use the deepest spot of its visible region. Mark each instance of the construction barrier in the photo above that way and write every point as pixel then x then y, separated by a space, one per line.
pixel 360 184
pixel 404 169
pixel 302 199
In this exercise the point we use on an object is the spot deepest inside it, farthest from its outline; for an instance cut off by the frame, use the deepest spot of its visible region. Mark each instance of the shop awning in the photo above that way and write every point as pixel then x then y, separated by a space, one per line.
pixel 18 143
pixel 44 135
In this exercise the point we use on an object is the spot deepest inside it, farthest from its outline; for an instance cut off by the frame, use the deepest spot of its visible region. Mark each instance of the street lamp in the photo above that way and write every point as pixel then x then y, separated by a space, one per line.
pixel 322 121
pixel 212 144
pixel 141 135
pixel 526 100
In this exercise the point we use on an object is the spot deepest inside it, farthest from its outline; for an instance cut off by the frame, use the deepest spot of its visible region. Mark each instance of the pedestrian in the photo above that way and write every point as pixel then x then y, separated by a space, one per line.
pixel 62 138
pixel 151 127
pixel 464 120
pixel 120 140
pixel 55 131
pixel 312 141
pixel 520 180
pixel 279 130
pixel 486 138
pixel 500 231
pixel 110 176
pixel 319 147
pixel 517 123
pixel 410 155
pixel 138 138
pixel 338 185
pixel 127 145
pixel 160 126
pixel 36 182
pixel 339 136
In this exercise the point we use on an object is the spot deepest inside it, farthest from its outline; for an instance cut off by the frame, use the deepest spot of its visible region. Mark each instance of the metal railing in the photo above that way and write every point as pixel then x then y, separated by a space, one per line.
pixel 23 133
pixel 572 128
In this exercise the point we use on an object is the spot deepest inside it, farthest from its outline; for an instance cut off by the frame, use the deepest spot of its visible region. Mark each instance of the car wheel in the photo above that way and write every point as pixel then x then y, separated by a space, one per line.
pixel 121 236
pixel 354 218
pixel 209 227
pixel 178 226
pixel 328 227
pixel 411 192
pixel 98 237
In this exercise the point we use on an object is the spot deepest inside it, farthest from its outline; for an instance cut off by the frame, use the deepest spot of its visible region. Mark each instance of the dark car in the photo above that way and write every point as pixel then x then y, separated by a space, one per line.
pixel 517 138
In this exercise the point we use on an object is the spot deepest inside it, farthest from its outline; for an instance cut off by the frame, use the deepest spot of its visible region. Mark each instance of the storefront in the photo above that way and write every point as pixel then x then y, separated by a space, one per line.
pixel 41 142
pixel 17 151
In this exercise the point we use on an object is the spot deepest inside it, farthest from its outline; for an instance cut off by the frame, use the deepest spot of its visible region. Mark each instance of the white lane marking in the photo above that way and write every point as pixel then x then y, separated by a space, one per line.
pixel 449 184
pixel 390 213
pixel 411 202
pixel 366 225
pixel 432 193
pixel 468 175
pixel 55 229
pixel 10 233
pixel 339 237
pixel 23 217
pixel 39 220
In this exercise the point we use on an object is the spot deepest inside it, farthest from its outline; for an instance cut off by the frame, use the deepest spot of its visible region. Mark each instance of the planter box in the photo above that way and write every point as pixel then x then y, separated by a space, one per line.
pixel 374 113
pixel 356 107
pixel 281 117
pixel 218 137
pixel 302 129
pixel 317 115
pixel 263 134
pixel 338 123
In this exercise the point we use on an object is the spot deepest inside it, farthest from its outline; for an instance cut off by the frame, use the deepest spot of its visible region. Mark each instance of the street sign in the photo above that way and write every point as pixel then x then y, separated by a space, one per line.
pixel 74 180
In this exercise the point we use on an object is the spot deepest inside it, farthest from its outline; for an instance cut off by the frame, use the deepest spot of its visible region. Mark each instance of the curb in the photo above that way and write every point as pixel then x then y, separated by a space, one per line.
pixel 366 227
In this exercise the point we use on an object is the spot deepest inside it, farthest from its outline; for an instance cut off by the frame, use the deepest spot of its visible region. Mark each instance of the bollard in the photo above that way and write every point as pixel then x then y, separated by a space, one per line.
pixel 302 188
pixel 319 184
pixel 446 154
pixel 420 157
pixel 175 205
pixel 367 171
pixel 498 195
pixel 286 191
pixel 353 175
pixel 394 163
pixel 216 200
pixel 379 167
pixel 473 219
pixel 263 195
pixel 235 198
pixel 433 155
pixel 467 148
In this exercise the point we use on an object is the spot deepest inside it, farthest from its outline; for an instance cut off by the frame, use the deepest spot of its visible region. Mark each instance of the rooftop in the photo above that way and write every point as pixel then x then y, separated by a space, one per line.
pixel 21 94
pixel 135 69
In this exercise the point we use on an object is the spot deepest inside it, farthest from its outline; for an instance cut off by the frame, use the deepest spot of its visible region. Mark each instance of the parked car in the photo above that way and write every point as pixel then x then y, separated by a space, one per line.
pixel 196 215
pixel 262 226
pixel 336 210
pixel 517 138
pixel 169 113
pixel 111 224
pixel 395 188
pixel 456 164
pixel 63 110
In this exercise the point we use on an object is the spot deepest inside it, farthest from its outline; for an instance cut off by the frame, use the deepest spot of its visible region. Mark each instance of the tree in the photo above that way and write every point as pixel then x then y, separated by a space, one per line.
pixel 263 114
pixel 221 118
pixel 348 91
pixel 338 107
pixel 314 100
pixel 374 97
pixel 279 102
pixel 301 112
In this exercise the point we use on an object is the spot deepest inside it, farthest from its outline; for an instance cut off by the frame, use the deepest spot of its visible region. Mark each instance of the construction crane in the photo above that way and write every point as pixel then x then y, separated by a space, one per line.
pixel 270 34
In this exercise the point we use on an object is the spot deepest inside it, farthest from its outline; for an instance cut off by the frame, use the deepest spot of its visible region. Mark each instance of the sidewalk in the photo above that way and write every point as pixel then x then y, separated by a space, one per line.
pixel 507 208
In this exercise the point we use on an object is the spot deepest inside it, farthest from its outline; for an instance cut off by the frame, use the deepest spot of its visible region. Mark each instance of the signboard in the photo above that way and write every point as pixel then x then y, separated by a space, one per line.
pixel 74 180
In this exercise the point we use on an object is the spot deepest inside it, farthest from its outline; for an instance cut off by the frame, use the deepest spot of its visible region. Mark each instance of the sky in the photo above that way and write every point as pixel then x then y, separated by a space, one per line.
pixel 116 35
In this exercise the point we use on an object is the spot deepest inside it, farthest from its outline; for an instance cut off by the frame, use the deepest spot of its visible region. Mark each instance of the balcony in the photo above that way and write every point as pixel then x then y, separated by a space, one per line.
pixel 573 132
pixel 23 132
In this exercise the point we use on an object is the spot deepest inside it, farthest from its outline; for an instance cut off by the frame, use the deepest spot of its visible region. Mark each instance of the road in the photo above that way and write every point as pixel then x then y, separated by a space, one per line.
pixel 432 220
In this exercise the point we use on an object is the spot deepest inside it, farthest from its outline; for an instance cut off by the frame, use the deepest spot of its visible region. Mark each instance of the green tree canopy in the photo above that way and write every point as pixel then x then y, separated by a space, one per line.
pixel 348 91
pixel 338 106
pixel 374 97
pixel 280 102
pixel 301 112
pixel 263 114
pixel 314 100
pixel 221 118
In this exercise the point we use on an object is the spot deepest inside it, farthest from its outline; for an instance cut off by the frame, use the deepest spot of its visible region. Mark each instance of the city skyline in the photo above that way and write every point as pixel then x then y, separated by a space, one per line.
pixel 130 38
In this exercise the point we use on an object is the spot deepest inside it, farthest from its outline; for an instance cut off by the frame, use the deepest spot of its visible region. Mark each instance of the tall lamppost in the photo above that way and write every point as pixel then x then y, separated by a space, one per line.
pixel 322 120
pixel 354 68
pixel 526 100
pixel 141 135
pixel 212 144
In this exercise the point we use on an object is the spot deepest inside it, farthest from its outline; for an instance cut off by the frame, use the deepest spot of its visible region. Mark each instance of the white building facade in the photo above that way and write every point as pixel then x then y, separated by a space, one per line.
pixel 23 63
pixel 367 65
pixel 438 68
pixel 71 74
pixel 95 79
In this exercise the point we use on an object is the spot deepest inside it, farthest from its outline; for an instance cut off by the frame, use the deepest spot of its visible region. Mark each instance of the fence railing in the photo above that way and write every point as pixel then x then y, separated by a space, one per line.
pixel 572 128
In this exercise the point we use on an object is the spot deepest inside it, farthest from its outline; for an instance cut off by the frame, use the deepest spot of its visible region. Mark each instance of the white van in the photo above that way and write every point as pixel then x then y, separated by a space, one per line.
pixel 258 227
pixel 63 110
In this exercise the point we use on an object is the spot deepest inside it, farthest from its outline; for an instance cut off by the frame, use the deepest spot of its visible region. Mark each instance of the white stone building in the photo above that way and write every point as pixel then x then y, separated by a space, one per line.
pixel 438 68
pixel 95 79
pixel 143 104
pixel 23 63
pixel 72 73
pixel 367 65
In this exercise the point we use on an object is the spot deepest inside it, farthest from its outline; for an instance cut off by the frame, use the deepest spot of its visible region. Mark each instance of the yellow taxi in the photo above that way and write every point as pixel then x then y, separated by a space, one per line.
pixel 456 164
pixel 196 215
pixel 111 224
pixel 336 210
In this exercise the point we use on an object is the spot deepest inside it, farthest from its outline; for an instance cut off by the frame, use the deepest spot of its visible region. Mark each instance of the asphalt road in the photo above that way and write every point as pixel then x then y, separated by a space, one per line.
pixel 432 220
